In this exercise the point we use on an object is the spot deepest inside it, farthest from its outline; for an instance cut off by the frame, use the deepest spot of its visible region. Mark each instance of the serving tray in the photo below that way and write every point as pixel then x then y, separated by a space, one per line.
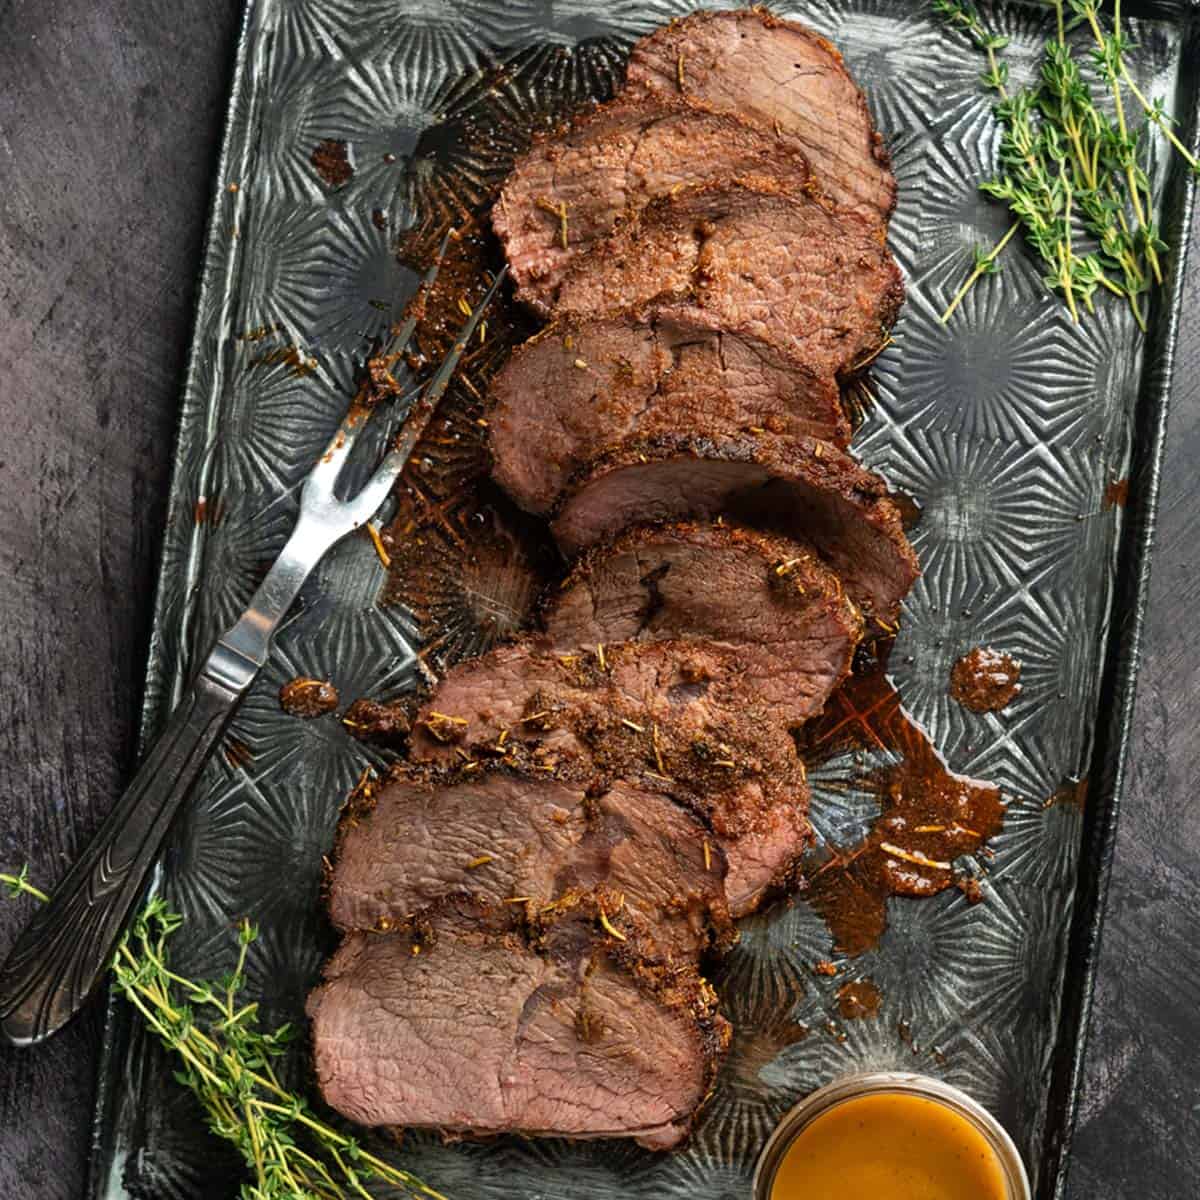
pixel 1021 435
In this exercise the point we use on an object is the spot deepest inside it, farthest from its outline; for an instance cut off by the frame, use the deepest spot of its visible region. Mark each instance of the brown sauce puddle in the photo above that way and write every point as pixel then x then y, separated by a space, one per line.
pixel 859 999
pixel 306 698
pixel 1070 793
pixel 331 161
pixel 985 680
pixel 929 816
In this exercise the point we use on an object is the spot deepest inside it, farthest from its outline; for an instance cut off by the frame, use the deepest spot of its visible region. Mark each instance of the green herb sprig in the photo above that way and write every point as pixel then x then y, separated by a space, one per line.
pixel 1066 104
pixel 1063 159
pixel 229 1064
pixel 19 885
pixel 986 263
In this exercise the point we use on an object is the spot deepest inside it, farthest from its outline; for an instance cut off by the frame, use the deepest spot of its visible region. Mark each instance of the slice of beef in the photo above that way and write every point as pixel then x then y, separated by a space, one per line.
pixel 607 165
pixel 567 394
pixel 507 836
pixel 785 268
pixel 466 1023
pixel 679 716
pixel 768 595
pixel 799 486
pixel 788 80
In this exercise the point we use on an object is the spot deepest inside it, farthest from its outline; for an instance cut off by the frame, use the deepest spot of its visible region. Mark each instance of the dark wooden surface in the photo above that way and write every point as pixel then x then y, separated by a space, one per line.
pixel 109 118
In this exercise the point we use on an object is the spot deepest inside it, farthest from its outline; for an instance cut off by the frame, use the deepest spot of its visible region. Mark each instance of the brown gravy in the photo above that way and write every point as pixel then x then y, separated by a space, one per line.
pixel 929 815
pixel 985 680
pixel 890 1146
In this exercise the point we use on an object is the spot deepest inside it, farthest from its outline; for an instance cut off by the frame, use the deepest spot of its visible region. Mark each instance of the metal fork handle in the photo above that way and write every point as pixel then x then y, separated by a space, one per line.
pixel 66 947
pixel 69 943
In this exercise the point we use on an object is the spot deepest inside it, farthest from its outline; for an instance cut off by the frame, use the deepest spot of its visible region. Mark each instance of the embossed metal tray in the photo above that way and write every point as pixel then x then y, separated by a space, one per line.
pixel 1010 425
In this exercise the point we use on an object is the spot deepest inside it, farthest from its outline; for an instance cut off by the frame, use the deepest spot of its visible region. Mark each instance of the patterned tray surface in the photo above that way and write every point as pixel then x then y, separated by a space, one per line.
pixel 1010 424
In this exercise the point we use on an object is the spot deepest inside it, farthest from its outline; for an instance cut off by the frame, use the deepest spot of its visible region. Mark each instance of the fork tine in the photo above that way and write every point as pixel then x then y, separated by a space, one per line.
pixel 417 420
pixel 324 474
pixel 325 471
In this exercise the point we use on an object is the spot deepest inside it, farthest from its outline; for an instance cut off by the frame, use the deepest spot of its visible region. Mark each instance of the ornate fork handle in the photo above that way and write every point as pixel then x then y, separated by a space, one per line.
pixel 68 944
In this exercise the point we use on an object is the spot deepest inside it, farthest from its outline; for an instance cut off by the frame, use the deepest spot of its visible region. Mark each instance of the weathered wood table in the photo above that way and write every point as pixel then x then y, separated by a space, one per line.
pixel 109 119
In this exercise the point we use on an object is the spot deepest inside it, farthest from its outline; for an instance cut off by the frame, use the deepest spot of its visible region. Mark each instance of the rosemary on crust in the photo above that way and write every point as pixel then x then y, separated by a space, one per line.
pixel 559 211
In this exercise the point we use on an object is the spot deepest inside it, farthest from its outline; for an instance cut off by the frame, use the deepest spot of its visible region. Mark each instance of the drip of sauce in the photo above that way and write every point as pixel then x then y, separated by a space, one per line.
pixel 382 724
pixel 291 356
pixel 237 753
pixel 890 1146
pixel 208 511
pixel 1116 495
pixel 859 999
pixel 929 815
pixel 331 160
pixel 303 697
pixel 1071 792
pixel 985 680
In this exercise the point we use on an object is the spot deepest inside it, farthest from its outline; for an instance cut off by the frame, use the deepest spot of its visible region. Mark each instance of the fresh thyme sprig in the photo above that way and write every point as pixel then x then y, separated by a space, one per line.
pixel 1139 233
pixel 985 264
pixel 1066 104
pixel 19 884
pixel 229 1064
pixel 1062 158
pixel 1033 180
pixel 1157 116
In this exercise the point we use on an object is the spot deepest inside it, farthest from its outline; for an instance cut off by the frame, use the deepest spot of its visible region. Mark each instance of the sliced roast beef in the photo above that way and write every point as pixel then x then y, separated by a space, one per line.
pixel 678 716
pixel 785 268
pixel 767 594
pixel 566 395
pixel 571 188
pixel 798 486
pixel 506 836
pixel 787 79
pixel 467 1023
